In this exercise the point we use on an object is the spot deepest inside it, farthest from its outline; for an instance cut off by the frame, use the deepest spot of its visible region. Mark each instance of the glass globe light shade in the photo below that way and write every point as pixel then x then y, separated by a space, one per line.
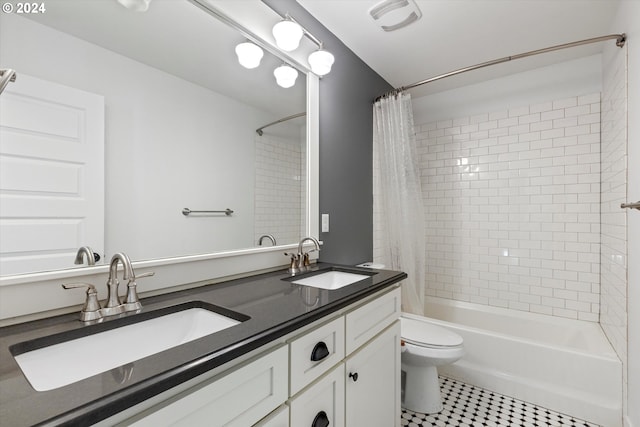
pixel 249 54
pixel 321 62
pixel 285 76
pixel 136 5
pixel 288 35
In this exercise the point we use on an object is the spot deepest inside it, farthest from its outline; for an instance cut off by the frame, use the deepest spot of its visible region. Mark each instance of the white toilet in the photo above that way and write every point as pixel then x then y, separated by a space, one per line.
pixel 426 346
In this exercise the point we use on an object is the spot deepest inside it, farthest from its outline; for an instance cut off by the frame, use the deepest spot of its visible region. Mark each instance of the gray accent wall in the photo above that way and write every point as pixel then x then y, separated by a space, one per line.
pixel 346 145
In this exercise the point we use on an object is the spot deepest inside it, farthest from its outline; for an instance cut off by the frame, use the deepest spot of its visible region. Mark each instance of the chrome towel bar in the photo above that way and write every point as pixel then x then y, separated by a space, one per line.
pixel 635 205
pixel 187 212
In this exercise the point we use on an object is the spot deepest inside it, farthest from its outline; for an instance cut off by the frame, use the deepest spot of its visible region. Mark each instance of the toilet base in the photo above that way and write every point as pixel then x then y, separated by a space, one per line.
pixel 422 389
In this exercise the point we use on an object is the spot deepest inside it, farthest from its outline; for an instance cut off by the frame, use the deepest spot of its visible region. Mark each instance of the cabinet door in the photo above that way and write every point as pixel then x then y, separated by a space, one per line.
pixel 321 403
pixel 240 398
pixel 373 382
pixel 365 322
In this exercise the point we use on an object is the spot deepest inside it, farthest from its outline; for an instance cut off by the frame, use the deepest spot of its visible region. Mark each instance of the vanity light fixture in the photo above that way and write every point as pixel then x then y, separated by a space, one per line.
pixel 321 61
pixel 288 34
pixel 249 54
pixel 135 5
pixel 285 76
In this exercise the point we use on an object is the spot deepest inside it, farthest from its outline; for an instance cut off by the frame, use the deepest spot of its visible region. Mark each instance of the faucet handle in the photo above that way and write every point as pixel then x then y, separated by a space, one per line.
pixel 140 276
pixel 91 309
pixel 294 266
pixel 132 302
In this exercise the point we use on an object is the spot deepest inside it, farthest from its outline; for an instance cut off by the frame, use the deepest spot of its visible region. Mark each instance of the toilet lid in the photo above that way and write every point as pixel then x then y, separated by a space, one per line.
pixel 428 335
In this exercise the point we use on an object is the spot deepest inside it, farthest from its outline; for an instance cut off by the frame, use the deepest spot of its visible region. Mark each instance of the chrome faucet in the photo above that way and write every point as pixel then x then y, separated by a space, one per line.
pixel 300 261
pixel 267 236
pixel 114 306
pixel 92 310
pixel 85 251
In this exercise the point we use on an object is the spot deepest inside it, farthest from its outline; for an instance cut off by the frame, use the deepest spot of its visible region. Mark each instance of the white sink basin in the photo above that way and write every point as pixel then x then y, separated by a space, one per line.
pixel 61 364
pixel 331 280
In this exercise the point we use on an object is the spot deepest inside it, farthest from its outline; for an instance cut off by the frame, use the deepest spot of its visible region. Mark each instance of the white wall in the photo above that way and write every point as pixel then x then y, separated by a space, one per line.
pixel 169 144
pixel 613 276
pixel 554 82
pixel 628 21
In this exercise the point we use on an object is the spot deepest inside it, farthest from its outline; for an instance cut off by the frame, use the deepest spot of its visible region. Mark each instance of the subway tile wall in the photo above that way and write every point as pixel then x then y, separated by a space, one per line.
pixel 613 316
pixel 512 203
pixel 279 188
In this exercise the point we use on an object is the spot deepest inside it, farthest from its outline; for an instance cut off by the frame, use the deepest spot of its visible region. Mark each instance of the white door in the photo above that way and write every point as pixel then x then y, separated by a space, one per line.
pixel 51 175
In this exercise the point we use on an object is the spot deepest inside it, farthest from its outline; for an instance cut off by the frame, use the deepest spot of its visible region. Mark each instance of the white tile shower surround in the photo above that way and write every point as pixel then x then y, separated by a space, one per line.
pixel 467 405
pixel 512 203
pixel 279 188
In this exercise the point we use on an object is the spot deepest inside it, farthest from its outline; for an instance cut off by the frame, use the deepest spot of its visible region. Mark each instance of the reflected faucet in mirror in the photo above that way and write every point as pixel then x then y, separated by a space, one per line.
pixel 86 252
pixel 267 236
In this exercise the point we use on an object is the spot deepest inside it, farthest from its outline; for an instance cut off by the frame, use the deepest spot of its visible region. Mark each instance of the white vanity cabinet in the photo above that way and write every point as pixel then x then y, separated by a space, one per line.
pixel 363 389
pixel 278 418
pixel 343 370
pixel 322 404
pixel 240 398
pixel 373 382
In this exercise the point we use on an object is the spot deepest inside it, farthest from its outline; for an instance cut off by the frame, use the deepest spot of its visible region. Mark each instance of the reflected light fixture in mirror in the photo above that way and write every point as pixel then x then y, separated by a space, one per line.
pixel 249 54
pixel 285 76
pixel 135 5
pixel 321 62
pixel 287 34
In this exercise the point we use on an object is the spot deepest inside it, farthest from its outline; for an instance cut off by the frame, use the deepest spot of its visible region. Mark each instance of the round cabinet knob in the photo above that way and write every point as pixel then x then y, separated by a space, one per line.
pixel 353 376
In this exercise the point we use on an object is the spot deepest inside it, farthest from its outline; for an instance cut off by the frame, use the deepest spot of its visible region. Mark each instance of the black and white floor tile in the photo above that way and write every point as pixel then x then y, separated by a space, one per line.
pixel 469 406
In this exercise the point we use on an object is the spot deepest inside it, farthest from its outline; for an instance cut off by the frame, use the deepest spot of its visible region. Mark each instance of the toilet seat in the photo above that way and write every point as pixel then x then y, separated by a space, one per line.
pixel 427 335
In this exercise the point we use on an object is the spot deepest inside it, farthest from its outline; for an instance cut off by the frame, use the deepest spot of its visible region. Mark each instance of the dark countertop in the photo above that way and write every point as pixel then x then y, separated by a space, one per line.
pixel 275 306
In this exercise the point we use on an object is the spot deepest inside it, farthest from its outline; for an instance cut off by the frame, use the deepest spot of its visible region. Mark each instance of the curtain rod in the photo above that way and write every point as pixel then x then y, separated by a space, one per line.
pixel 620 40
pixel 294 116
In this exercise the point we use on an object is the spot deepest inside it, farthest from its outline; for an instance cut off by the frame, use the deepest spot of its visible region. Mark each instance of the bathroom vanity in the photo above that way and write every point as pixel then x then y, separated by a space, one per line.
pixel 299 355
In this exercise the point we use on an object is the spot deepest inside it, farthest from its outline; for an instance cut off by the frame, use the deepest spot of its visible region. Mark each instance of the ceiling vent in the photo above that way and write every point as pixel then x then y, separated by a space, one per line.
pixel 392 15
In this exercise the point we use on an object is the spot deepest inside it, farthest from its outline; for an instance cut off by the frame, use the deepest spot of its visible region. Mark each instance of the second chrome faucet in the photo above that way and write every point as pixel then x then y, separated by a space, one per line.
pixel 300 261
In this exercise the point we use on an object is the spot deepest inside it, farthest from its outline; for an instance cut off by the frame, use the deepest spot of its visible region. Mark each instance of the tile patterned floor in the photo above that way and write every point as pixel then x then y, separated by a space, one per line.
pixel 470 406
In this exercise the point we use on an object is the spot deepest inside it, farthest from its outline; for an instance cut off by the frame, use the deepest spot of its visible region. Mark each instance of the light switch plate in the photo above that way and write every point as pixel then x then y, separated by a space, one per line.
pixel 325 223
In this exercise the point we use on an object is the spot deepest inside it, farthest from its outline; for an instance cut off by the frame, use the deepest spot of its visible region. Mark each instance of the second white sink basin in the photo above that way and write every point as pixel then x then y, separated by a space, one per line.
pixel 57 365
pixel 331 279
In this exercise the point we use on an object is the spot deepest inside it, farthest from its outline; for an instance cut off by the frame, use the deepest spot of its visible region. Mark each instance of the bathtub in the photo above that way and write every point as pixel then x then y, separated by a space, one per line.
pixel 561 364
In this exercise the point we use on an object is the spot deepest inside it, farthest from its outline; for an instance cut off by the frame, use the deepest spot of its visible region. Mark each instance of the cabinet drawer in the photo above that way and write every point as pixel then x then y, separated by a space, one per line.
pixel 315 353
pixel 365 322
pixel 323 401
pixel 240 398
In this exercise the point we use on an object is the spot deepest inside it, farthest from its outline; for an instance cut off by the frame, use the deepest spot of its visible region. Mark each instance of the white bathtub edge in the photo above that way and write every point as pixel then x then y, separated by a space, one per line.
pixel 494 362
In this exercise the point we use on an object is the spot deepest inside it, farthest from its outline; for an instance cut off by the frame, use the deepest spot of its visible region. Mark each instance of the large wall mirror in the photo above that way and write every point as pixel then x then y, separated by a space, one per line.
pixel 174 118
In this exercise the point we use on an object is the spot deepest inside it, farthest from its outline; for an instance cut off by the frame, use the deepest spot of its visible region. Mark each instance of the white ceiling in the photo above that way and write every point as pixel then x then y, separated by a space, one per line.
pixel 452 34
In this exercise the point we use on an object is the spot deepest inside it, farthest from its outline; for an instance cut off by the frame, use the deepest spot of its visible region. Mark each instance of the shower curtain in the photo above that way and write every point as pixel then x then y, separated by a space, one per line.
pixel 398 196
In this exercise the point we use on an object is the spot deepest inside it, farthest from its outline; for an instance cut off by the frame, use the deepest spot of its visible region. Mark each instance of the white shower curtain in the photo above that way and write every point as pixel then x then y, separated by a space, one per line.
pixel 398 196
